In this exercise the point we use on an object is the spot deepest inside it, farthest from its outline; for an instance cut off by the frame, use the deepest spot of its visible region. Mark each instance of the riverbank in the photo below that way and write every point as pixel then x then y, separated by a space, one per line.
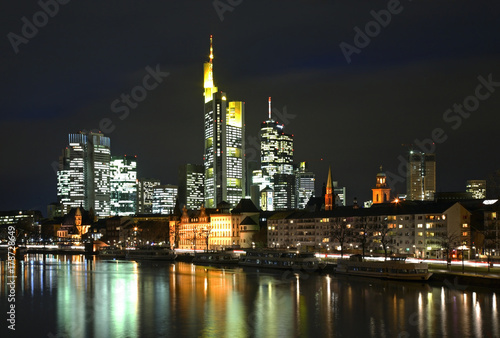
pixel 461 281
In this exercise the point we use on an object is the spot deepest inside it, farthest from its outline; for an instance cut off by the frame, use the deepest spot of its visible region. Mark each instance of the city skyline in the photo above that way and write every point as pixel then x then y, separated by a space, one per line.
pixel 398 89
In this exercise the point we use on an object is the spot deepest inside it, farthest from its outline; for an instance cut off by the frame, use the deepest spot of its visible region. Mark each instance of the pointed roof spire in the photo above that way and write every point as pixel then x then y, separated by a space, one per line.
pixel 211 50
pixel 329 183
pixel 269 107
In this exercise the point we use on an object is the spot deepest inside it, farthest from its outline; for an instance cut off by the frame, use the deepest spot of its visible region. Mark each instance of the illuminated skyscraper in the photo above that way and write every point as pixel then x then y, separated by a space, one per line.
pixel 191 186
pixel 276 157
pixel 304 185
pixel 284 191
pixel 145 187
pixel 123 171
pixel 477 188
pixel 421 176
pixel 276 148
pixel 164 197
pixel 83 176
pixel 224 159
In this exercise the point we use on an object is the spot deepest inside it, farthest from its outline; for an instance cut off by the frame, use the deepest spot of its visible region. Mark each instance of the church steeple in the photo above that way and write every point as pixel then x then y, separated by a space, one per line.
pixel 381 192
pixel 329 191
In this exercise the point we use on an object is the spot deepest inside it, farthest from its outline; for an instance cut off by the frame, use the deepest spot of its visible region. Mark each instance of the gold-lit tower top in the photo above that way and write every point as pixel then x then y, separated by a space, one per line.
pixel 208 78
pixel 211 50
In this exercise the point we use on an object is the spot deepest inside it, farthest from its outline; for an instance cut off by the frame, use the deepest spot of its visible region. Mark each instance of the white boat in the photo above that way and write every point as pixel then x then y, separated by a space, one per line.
pixel 391 269
pixel 281 259
pixel 216 258
pixel 160 254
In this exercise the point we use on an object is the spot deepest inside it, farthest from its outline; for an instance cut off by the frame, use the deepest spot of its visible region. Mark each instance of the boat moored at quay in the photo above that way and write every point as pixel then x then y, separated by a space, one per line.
pixel 216 258
pixel 157 254
pixel 395 268
pixel 281 259
pixel 111 253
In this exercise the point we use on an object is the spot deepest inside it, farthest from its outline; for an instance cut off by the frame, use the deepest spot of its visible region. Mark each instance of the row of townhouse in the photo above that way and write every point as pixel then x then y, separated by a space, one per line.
pixel 423 229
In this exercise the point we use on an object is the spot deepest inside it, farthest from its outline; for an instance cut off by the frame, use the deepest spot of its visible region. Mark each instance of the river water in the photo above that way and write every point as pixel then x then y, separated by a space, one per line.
pixel 69 296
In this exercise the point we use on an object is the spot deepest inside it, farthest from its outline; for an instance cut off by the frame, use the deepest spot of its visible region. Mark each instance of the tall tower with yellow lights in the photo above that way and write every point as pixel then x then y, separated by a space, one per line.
pixel 381 192
pixel 224 149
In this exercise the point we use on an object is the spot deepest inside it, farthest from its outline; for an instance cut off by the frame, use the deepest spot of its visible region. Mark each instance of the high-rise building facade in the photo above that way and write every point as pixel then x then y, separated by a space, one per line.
pixel 421 176
pixel 276 158
pixel 145 187
pixel 304 185
pixel 164 198
pixel 123 172
pixel 477 188
pixel 276 148
pixel 284 191
pixel 224 150
pixel 191 186
pixel 83 178
pixel 340 194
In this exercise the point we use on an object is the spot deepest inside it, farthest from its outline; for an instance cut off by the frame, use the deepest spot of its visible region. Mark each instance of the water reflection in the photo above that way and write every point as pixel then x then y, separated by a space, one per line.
pixel 92 298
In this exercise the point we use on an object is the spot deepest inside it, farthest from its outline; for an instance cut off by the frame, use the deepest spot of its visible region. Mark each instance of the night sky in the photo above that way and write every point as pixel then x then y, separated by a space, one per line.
pixel 355 116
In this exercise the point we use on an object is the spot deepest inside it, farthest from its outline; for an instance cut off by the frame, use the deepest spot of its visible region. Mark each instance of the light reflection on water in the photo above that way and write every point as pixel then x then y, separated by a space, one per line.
pixel 68 296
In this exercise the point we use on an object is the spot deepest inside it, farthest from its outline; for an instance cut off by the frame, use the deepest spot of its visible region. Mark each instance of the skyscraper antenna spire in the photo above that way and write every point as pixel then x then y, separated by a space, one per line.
pixel 211 50
pixel 269 107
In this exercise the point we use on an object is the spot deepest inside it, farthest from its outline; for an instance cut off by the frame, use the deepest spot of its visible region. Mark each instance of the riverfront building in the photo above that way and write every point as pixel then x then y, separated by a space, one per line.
pixel 216 228
pixel 417 228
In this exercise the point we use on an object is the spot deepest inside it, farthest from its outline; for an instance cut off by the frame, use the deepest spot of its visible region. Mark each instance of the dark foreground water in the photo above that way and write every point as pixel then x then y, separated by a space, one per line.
pixel 67 296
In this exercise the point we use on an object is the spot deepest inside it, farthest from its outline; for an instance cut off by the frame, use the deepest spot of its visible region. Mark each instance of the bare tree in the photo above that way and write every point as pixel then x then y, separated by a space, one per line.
pixel 449 241
pixel 385 235
pixel 361 235
pixel 340 233
pixel 260 237
pixel 207 232
pixel 154 231
pixel 25 231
